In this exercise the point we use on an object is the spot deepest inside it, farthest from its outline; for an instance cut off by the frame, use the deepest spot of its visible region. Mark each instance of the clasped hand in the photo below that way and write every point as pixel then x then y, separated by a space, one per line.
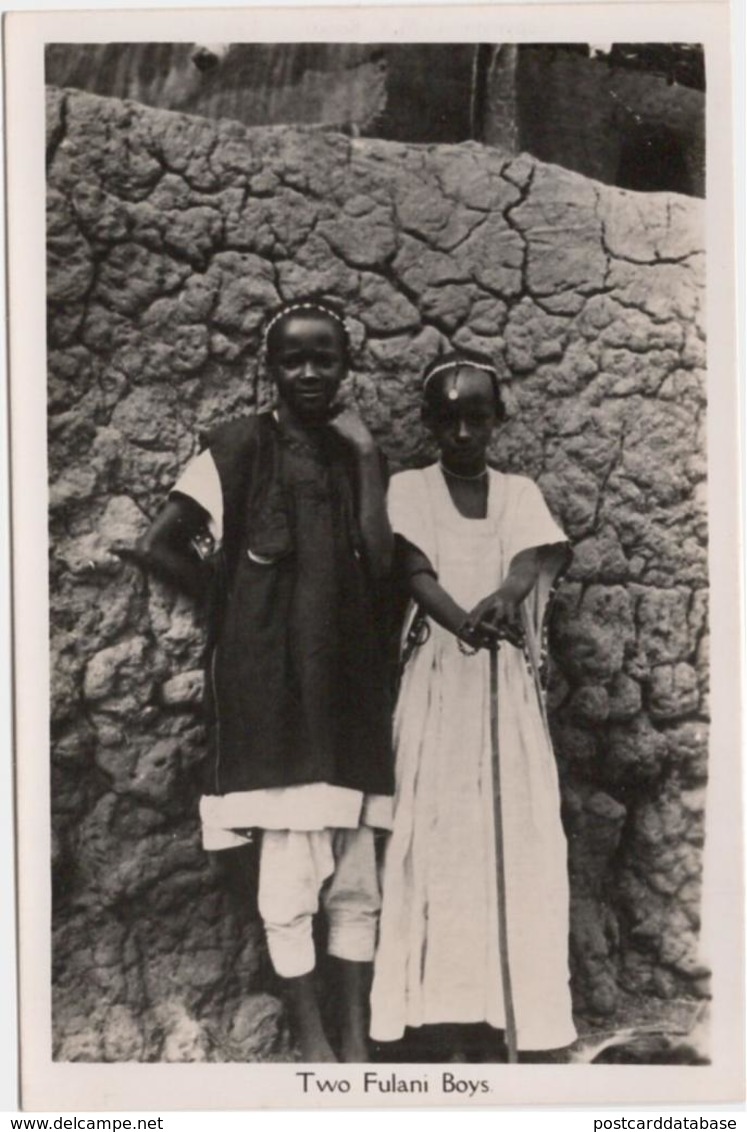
pixel 494 619
pixel 351 428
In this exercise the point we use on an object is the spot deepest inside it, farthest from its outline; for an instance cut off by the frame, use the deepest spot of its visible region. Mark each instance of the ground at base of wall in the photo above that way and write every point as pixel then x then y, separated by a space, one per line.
pixel 645 1032
pixel 641 1033
pixel 170 241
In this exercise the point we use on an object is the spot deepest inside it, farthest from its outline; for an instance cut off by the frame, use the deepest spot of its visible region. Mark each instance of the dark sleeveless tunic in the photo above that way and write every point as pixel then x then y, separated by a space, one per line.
pixel 297 688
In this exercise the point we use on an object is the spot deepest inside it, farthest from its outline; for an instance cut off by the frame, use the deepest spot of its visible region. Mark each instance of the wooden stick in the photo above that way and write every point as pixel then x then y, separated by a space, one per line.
pixel 508 1000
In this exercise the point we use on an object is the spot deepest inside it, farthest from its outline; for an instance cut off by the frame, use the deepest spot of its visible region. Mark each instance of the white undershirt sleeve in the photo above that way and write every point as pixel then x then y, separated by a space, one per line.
pixel 201 482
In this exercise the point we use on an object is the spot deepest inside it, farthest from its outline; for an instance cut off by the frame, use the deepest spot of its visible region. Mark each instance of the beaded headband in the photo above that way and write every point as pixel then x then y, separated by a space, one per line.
pixel 457 363
pixel 318 307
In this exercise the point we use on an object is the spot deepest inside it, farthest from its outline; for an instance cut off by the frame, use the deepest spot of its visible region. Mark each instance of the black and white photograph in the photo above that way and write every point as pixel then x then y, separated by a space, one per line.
pixel 378 504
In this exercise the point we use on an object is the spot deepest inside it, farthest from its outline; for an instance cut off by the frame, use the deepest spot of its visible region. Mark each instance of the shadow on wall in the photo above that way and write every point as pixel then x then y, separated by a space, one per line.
pixel 623 125
pixel 633 117
pixel 653 159
pixel 169 238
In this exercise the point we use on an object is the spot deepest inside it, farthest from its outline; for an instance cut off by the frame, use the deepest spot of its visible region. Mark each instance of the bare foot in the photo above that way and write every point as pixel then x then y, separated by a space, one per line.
pixel 356 988
pixel 355 1049
pixel 319 1051
pixel 301 998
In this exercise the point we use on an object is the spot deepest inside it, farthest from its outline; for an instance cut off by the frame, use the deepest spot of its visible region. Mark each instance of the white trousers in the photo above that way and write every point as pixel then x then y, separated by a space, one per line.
pixel 297 868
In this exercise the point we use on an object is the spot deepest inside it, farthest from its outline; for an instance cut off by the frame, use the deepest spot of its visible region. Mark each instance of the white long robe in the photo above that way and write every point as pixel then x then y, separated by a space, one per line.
pixel 438 958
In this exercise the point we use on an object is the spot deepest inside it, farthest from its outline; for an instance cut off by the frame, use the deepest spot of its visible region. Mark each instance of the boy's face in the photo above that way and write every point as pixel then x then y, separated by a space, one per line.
pixel 308 365
pixel 460 411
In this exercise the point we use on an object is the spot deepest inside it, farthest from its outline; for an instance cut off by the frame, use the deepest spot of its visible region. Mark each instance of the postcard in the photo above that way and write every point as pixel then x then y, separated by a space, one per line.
pixel 374 443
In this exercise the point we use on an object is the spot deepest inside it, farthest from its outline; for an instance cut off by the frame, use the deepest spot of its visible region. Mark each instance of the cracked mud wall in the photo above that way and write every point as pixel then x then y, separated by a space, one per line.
pixel 169 238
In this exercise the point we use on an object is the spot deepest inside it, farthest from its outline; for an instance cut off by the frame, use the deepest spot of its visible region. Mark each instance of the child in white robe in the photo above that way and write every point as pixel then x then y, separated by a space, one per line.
pixel 480 553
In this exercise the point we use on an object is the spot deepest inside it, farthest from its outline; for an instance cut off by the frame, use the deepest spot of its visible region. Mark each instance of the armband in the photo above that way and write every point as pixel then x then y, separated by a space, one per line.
pixel 203 545
pixel 418 633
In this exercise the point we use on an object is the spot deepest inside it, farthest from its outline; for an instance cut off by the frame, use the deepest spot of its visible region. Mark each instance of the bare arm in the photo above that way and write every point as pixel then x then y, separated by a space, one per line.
pixel 424 587
pixel 167 549
pixel 500 610
pixel 372 516
pixel 376 533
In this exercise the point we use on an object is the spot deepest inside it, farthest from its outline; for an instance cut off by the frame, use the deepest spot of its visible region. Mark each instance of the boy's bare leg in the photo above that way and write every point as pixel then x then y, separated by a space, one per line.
pixel 356 990
pixel 303 1004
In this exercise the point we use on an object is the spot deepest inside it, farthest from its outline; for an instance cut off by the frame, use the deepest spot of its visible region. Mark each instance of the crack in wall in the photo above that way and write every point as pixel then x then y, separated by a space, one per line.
pixel 606 635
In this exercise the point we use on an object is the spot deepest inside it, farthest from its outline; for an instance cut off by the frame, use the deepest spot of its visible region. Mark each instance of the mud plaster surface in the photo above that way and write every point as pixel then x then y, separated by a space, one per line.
pixel 169 238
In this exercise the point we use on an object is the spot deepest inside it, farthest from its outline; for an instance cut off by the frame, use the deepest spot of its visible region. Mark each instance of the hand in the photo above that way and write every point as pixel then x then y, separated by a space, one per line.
pixel 125 553
pixel 348 425
pixel 481 637
pixel 130 555
pixel 494 618
pixel 104 561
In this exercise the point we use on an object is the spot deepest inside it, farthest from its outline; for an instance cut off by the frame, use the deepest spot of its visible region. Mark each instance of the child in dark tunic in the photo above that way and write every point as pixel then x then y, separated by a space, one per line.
pixel 298 711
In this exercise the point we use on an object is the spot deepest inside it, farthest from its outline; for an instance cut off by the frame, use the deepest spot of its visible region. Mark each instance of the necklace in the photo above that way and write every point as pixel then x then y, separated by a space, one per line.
pixel 456 476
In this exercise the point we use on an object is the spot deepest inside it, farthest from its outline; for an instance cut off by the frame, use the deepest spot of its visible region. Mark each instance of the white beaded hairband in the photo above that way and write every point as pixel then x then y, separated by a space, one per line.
pixel 457 363
pixel 319 307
